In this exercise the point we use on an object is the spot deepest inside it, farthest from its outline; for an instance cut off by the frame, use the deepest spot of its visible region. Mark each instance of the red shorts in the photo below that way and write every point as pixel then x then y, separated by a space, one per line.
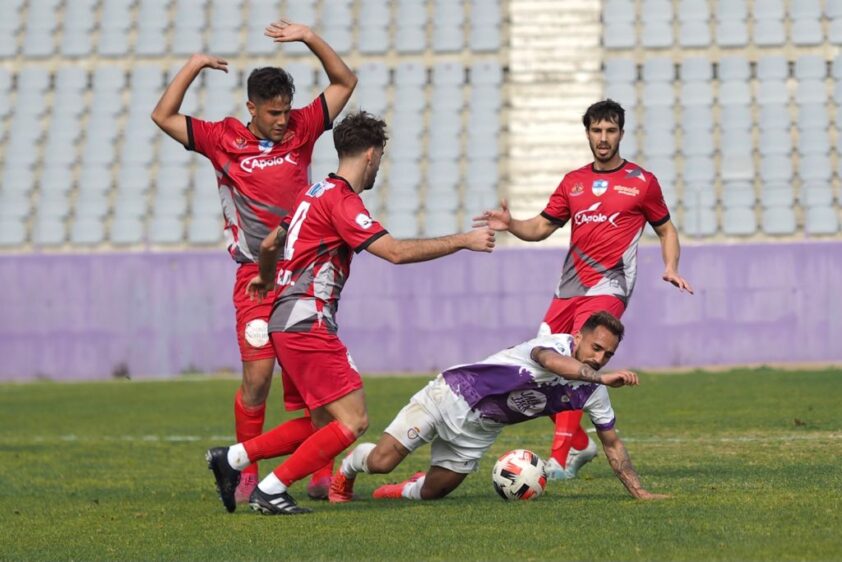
pixel 566 316
pixel 252 317
pixel 317 369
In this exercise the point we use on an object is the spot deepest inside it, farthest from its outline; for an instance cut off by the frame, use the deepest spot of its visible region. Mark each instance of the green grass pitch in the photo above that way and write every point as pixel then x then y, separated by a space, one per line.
pixel 116 471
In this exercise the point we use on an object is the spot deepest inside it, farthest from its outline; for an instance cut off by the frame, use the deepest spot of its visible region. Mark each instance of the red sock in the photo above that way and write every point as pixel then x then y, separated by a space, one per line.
pixel 248 423
pixel 580 439
pixel 281 440
pixel 566 426
pixel 324 472
pixel 314 453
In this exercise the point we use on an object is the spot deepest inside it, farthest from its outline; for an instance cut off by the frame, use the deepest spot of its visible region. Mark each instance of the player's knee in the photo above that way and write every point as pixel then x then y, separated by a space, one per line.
pixel 359 424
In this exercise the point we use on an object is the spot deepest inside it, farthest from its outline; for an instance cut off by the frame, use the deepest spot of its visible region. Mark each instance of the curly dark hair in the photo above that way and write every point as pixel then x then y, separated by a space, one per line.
pixel 358 132
pixel 605 110
pixel 607 321
pixel 268 83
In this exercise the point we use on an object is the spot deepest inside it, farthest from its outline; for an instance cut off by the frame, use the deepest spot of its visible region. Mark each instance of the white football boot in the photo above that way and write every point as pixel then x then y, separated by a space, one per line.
pixel 576 459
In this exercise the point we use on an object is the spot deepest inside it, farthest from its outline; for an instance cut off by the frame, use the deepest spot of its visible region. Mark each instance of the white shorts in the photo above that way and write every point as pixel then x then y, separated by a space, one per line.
pixel 439 416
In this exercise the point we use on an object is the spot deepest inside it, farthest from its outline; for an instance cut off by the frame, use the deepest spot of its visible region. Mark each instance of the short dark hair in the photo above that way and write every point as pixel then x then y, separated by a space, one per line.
pixel 607 321
pixel 605 110
pixel 358 132
pixel 268 83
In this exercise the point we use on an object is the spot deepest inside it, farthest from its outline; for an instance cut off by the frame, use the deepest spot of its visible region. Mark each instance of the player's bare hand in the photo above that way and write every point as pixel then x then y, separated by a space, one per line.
pixel 286 32
pixel 257 288
pixel 496 219
pixel 480 240
pixel 649 496
pixel 617 379
pixel 677 281
pixel 210 61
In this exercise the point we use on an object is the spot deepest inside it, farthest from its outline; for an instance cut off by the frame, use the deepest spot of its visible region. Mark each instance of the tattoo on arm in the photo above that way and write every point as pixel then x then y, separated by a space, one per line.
pixel 620 462
pixel 589 375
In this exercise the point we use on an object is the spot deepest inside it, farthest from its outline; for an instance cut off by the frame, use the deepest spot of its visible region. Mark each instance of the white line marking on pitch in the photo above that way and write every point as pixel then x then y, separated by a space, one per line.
pixel 151 438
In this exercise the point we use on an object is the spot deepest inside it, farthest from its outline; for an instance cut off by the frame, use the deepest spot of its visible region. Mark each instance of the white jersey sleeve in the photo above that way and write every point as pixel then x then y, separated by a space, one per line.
pixel 599 409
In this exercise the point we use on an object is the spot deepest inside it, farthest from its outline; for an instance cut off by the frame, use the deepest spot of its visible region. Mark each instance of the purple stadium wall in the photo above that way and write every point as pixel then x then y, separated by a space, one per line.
pixel 85 316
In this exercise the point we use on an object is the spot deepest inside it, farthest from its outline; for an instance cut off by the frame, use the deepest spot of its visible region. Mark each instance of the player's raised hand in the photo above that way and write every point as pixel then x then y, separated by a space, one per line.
pixel 210 61
pixel 617 379
pixel 496 219
pixel 257 288
pixel 480 240
pixel 677 281
pixel 286 32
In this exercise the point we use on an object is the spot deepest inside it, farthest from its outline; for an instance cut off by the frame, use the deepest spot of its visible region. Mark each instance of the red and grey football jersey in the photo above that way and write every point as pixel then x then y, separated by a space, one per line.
pixel 609 211
pixel 329 225
pixel 259 180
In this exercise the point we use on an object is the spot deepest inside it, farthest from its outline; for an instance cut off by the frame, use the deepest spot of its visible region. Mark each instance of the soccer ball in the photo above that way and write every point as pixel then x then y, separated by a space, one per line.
pixel 519 475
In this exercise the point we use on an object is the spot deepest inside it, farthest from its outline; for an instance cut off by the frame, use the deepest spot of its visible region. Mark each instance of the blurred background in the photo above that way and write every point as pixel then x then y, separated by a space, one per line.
pixel 111 246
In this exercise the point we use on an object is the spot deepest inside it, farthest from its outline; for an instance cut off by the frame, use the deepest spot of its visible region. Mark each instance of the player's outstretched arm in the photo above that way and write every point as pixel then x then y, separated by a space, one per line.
pixel 670 251
pixel 530 230
pixel 573 370
pixel 412 251
pixel 264 281
pixel 342 79
pixel 622 466
pixel 166 114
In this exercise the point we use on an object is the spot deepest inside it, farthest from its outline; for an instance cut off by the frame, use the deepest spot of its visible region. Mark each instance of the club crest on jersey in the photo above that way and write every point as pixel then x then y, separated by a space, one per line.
pixel 636 173
pixel 599 187
pixel 265 145
pixel 577 189
pixel 240 143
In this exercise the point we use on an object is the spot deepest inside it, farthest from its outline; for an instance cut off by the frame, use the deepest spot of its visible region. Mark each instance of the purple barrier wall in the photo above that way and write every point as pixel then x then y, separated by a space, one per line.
pixel 87 316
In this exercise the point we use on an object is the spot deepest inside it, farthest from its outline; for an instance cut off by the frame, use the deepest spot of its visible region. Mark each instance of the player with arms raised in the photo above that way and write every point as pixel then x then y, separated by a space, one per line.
pixel 609 202
pixel 261 168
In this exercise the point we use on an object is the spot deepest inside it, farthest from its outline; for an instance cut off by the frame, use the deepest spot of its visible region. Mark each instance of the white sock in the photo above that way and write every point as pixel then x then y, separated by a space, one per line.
pixel 272 485
pixel 412 491
pixel 357 461
pixel 237 457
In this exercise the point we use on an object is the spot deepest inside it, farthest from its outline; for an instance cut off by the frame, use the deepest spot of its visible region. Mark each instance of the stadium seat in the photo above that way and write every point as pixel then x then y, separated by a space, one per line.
pixel 47 231
pixel 731 33
pixel 448 39
pixel 658 94
pixel 12 231
pixel 834 31
pixel 810 67
pixel 814 141
pixel 440 223
pixel 697 118
pixel 699 170
pixel 773 67
pixel 774 117
pixel 664 170
pixel 776 141
pixel 734 93
pixel 204 231
pixel 775 169
pixel 818 220
pixel 700 221
pixel 772 92
pixel 769 33
pixel 777 194
pixel 166 230
pixel 738 194
pixel 439 200
pixel 696 93
pixel 698 144
pixel 410 39
pixel 91 205
pixel 657 34
pixel 696 69
pixel 778 221
pixel 619 11
pixel 659 69
pixel 694 34
pixel 624 94
pixel 806 32
pixel 15 205
pixel 619 70
pixel 737 167
pixel 816 194
pixel 87 231
pixel 815 167
pixel 126 230
pixel 485 38
pixel 699 194
pixel 734 68
pixel 739 221
pixel 618 36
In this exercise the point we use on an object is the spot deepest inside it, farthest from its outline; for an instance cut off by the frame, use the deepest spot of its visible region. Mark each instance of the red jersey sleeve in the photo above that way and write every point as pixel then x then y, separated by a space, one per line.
pixel 557 210
pixel 313 120
pixel 653 205
pixel 354 223
pixel 204 136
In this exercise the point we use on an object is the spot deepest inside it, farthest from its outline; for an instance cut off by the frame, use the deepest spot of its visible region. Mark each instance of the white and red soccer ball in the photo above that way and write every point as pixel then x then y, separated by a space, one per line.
pixel 519 475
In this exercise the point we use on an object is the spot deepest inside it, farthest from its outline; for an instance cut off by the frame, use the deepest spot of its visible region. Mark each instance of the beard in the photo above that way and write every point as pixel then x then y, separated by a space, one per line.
pixel 608 158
